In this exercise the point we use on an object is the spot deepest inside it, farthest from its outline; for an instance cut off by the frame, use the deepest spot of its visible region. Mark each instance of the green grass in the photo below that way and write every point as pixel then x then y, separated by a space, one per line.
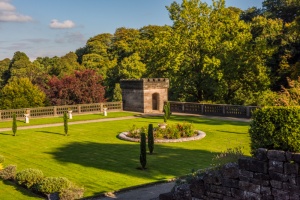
pixel 76 117
pixel 93 157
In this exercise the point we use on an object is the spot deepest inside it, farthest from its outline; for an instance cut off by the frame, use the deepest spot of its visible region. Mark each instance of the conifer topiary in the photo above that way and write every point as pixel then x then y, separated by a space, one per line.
pixel 66 123
pixel 150 138
pixel 14 124
pixel 167 111
pixel 143 159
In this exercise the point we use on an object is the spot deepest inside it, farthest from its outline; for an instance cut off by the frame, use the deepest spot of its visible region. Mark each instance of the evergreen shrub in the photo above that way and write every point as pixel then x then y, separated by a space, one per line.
pixel 143 159
pixel 53 184
pixel 29 177
pixel 275 128
pixel 150 138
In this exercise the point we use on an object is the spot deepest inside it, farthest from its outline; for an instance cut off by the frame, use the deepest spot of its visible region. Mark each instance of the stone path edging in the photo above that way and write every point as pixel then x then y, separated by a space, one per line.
pixel 199 136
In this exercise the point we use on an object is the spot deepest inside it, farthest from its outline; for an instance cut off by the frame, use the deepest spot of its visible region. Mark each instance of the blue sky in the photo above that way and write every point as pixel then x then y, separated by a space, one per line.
pixel 50 28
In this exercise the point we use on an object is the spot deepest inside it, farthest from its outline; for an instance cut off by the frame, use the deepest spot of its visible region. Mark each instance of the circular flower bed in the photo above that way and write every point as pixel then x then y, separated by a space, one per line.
pixel 172 133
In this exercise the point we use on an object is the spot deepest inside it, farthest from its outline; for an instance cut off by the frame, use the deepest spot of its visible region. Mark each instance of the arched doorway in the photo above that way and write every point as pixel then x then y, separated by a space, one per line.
pixel 155 101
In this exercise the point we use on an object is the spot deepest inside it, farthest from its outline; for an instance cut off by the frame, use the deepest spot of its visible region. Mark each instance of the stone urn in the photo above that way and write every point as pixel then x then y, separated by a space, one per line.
pixel 70 116
pixel 26 118
pixel 105 111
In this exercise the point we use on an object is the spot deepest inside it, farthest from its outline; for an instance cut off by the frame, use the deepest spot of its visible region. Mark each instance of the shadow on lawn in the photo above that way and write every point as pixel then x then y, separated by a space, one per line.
pixel 20 189
pixel 50 132
pixel 208 120
pixel 124 158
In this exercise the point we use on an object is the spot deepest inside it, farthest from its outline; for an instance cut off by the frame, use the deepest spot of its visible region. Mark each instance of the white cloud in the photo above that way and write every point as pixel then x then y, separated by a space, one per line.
pixel 8 13
pixel 61 25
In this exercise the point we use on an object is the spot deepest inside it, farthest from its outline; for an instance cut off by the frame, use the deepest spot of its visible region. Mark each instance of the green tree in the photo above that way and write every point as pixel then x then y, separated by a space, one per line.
pixel 14 125
pixel 66 128
pixel 21 93
pixel 117 93
pixel 4 72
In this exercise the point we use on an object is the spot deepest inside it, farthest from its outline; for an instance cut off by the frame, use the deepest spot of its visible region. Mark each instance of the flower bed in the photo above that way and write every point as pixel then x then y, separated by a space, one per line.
pixel 172 133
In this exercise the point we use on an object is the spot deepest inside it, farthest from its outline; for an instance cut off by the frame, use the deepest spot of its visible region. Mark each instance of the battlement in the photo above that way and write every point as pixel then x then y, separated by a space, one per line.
pixel 144 83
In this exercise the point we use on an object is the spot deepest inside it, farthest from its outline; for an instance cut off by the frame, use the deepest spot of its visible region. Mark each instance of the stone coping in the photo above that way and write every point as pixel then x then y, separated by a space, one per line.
pixel 199 136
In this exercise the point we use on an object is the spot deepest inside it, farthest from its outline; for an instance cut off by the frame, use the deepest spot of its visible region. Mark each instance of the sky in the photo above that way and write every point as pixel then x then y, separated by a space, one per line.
pixel 41 28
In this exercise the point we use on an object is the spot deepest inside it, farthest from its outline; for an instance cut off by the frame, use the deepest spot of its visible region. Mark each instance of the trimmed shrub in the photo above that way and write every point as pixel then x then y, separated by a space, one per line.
pixel 66 128
pixel 150 138
pixel 275 128
pixel 8 173
pixel 167 111
pixel 73 192
pixel 14 125
pixel 53 184
pixel 143 159
pixel 29 177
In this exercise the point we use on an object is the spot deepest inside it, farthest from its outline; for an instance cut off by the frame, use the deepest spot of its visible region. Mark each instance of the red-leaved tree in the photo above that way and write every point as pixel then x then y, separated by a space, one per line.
pixel 78 88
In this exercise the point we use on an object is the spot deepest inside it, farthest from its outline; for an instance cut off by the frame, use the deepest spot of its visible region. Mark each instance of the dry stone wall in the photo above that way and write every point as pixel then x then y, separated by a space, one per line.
pixel 270 175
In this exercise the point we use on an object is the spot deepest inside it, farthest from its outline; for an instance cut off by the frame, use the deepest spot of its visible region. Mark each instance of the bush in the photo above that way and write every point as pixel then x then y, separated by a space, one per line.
pixel 8 173
pixel 275 128
pixel 228 156
pixel 73 192
pixel 66 123
pixel 29 177
pixel 53 184
pixel 14 124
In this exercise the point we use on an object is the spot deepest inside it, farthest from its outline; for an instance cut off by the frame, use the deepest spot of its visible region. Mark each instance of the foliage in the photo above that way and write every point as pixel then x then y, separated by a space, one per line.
pixel 167 111
pixel 73 192
pixel 21 93
pixel 29 177
pixel 227 156
pixel 175 131
pixel 9 172
pixel 117 96
pixel 53 184
pixel 134 132
pixel 78 88
pixel 275 128
pixel 14 124
pixel 143 151
pixel 150 138
pixel 66 128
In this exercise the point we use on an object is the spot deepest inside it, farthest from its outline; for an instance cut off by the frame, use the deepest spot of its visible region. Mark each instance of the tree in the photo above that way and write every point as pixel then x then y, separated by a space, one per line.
pixel 117 93
pixel 287 10
pixel 14 125
pixel 143 158
pixel 150 138
pixel 4 72
pixel 79 87
pixel 66 128
pixel 201 52
pixel 21 93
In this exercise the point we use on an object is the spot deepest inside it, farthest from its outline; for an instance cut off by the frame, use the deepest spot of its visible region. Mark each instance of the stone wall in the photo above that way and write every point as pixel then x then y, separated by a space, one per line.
pixel 270 175
pixel 138 94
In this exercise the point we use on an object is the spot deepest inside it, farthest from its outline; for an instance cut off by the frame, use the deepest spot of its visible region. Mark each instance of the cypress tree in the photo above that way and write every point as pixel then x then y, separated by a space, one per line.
pixel 143 159
pixel 14 124
pixel 66 123
pixel 167 111
pixel 150 138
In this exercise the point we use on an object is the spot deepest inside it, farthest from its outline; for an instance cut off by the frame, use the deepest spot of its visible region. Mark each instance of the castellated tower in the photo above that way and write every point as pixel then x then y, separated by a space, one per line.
pixel 145 95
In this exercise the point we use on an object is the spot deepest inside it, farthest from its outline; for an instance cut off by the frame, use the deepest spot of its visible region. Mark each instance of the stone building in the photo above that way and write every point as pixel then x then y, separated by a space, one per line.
pixel 145 95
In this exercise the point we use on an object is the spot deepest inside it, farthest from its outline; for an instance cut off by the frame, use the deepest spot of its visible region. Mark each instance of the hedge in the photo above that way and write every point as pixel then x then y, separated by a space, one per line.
pixel 275 128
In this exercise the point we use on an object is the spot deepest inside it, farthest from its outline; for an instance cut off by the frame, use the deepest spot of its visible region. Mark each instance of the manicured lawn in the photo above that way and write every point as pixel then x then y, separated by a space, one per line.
pixel 93 157
pixel 76 117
